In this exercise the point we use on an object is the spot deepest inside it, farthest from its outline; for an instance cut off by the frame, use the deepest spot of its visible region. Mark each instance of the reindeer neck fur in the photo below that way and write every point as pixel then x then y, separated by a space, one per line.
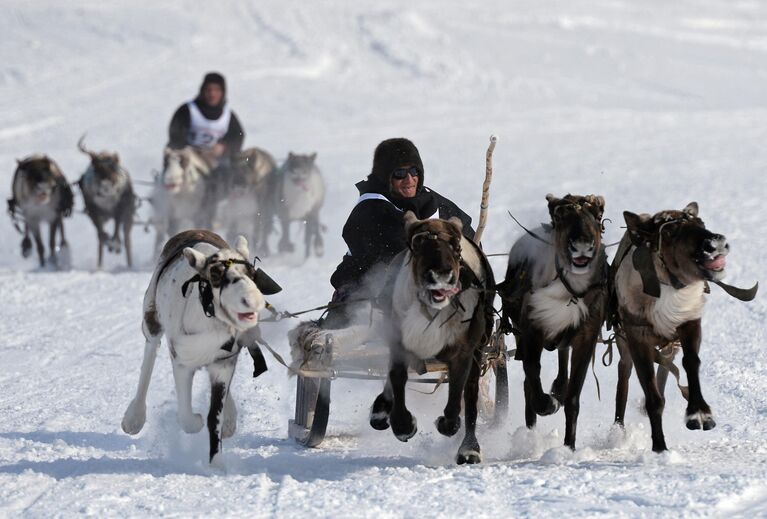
pixel 425 331
pixel 552 307
pixel 90 188
pixel 301 199
pixel 665 313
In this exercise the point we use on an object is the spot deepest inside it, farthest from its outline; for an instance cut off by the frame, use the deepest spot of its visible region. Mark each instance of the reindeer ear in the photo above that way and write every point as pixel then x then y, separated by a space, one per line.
pixel 410 220
pixel 195 258
pixel 117 158
pixel 241 246
pixel 551 199
pixel 266 284
pixel 291 156
pixel 691 209
pixel 456 222
pixel 313 156
pixel 637 225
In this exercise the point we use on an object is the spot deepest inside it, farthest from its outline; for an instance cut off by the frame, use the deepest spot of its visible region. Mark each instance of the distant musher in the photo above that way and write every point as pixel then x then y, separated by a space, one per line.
pixel 208 124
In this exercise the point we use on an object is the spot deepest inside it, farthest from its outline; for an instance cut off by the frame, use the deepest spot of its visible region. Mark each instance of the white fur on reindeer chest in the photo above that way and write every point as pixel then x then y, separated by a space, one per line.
pixel 104 200
pixel 301 198
pixel 195 339
pixel 555 309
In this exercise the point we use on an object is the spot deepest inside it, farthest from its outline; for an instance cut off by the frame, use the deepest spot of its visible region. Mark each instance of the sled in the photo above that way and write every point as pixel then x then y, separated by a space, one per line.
pixel 321 356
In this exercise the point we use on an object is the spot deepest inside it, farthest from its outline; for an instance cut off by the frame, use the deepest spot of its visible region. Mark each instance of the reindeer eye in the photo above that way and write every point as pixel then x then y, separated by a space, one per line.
pixel 217 273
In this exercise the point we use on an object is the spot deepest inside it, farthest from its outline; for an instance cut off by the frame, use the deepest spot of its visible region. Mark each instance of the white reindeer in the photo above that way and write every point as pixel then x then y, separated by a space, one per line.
pixel 204 297
pixel 179 193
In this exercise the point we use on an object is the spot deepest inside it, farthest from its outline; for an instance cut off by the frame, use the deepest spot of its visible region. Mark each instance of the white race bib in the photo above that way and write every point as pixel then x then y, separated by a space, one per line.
pixel 203 132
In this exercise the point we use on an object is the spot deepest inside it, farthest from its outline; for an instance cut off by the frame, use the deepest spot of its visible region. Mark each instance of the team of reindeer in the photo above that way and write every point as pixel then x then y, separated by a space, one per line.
pixel 190 192
pixel 558 292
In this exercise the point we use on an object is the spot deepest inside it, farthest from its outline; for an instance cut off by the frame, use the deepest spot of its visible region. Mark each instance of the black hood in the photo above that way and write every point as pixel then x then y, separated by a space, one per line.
pixel 390 155
pixel 211 112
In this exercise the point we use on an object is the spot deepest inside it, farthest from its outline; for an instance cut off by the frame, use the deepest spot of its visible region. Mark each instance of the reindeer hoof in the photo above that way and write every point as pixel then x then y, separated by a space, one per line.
pixel 469 456
pixel 191 424
pixel 404 428
pixel 26 247
pixel 379 420
pixel 700 420
pixel 448 427
pixel 134 418
pixel 379 413
pixel 550 406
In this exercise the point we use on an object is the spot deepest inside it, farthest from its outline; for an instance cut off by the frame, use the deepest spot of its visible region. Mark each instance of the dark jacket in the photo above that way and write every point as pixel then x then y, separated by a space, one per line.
pixel 375 229
pixel 179 126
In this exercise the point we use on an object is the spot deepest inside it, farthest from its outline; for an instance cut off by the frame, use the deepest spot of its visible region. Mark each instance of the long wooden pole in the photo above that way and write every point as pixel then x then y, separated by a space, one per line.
pixel 486 189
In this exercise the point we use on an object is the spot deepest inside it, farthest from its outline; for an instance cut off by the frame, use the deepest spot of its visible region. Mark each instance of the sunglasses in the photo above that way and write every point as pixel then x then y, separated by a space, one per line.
pixel 400 173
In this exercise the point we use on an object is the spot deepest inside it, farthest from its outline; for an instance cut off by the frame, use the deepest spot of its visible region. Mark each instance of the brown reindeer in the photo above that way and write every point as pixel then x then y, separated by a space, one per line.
pixel 108 195
pixel 659 278
pixel 441 307
pixel 554 296
pixel 40 193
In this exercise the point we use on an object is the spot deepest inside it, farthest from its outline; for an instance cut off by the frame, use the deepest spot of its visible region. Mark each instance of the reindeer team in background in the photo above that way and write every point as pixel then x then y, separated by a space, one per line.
pixel 40 193
pixel 108 195
pixel 300 195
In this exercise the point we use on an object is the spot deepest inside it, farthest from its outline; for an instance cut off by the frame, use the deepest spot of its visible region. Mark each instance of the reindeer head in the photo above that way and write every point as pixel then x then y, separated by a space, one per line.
pixel 298 168
pixel 108 180
pixel 237 288
pixel 680 240
pixel 436 249
pixel 577 222
pixel 39 175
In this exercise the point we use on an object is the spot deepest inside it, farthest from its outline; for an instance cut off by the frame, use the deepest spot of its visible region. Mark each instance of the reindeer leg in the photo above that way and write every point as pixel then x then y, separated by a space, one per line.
pixel 469 451
pixel 661 375
pixel 403 424
pixel 642 355
pixel 38 243
pixel 52 240
pixel 114 244
pixel 26 243
pixel 698 412
pixel 285 245
pixel 135 415
pixel 220 373
pixel 535 399
pixel 560 383
pixel 625 366
pixel 458 371
pixel 127 226
pixel 584 345
pixel 189 421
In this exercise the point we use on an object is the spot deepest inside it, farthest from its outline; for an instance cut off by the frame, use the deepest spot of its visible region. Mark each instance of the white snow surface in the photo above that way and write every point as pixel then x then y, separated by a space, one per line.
pixel 651 104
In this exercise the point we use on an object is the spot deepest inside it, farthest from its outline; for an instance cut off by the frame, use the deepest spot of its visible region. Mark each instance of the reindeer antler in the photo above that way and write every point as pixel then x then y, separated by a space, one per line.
pixel 81 147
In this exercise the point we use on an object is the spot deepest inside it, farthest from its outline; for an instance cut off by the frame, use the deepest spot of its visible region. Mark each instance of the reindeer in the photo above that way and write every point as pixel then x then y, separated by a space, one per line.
pixel 245 197
pixel 659 277
pixel 554 296
pixel 179 192
pixel 108 195
pixel 441 307
pixel 40 193
pixel 206 330
pixel 301 195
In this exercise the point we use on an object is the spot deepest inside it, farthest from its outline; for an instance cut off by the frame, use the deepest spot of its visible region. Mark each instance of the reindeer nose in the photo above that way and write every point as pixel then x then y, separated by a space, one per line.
pixel 446 276
pixel 716 242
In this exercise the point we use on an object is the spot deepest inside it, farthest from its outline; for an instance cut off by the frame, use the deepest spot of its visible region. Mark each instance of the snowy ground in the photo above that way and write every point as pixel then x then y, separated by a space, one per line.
pixel 651 104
